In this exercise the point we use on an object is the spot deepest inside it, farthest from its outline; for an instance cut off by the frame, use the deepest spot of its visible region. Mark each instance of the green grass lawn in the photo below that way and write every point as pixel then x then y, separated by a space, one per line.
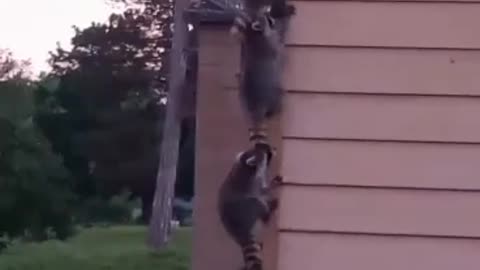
pixel 116 248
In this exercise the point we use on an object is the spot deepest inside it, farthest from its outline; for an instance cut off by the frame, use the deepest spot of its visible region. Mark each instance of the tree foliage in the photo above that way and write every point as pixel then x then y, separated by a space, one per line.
pixel 92 127
pixel 11 68
pixel 160 13
pixel 105 114
pixel 35 195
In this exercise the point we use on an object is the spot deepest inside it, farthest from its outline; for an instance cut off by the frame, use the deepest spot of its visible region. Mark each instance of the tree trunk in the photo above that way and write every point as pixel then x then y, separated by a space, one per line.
pixel 159 230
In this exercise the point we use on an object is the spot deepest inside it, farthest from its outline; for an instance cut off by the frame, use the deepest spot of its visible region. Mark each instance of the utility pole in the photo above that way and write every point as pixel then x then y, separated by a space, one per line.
pixel 159 229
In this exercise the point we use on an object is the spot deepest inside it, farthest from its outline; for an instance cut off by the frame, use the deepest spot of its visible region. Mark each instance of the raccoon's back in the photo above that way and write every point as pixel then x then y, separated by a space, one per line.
pixel 261 92
pixel 240 218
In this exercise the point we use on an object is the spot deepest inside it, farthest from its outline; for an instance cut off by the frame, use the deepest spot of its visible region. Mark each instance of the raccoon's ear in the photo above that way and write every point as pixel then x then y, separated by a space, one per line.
pixel 251 161
pixel 256 26
pixel 238 157
pixel 240 23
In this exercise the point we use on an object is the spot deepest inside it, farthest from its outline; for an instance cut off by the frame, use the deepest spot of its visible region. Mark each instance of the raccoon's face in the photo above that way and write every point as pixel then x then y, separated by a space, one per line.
pixel 253 24
pixel 247 158
pixel 265 148
pixel 252 157
pixel 263 23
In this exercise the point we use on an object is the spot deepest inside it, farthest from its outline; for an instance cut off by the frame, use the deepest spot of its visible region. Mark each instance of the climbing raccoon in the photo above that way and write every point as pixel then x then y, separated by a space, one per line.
pixel 262 33
pixel 246 202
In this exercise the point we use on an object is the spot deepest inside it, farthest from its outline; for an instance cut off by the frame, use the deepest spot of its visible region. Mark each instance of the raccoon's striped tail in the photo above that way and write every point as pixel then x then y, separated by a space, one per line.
pixel 257 135
pixel 252 256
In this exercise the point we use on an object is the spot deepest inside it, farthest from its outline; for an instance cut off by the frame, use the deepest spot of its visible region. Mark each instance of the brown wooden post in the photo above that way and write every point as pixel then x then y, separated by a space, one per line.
pixel 159 230
pixel 222 132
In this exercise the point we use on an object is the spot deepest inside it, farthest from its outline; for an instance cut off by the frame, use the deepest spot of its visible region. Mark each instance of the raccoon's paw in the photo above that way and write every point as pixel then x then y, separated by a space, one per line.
pixel 236 33
pixel 273 205
pixel 238 28
pixel 284 11
pixel 240 23
pixel 290 10
pixel 277 180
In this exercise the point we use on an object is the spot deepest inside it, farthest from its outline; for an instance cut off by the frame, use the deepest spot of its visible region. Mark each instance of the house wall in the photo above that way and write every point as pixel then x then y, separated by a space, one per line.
pixel 381 137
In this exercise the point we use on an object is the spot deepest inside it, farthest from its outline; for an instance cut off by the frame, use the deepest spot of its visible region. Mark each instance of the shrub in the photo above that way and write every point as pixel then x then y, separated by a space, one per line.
pixel 35 188
pixel 116 210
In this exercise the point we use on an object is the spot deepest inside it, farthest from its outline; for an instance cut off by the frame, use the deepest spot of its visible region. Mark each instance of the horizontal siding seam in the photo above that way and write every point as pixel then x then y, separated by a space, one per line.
pixel 370 140
pixel 288 183
pixel 382 94
pixel 359 233
pixel 229 87
pixel 293 44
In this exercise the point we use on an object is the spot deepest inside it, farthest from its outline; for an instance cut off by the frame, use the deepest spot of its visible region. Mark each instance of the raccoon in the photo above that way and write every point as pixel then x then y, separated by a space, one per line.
pixel 262 33
pixel 246 202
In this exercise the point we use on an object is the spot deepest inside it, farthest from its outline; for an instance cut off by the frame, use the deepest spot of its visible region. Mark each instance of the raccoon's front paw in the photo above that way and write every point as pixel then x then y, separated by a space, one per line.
pixel 238 28
pixel 236 33
pixel 273 205
pixel 290 10
pixel 283 12
pixel 277 180
pixel 240 23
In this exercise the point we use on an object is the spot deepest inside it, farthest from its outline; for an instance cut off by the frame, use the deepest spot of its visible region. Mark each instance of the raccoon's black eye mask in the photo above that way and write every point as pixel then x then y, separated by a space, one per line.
pixel 257 25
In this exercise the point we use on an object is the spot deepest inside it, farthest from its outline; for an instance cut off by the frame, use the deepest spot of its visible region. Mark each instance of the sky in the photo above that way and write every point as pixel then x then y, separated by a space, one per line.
pixel 32 28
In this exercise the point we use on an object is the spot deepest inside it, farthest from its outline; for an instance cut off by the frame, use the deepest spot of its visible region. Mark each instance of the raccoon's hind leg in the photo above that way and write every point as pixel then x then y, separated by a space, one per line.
pixel 271 201
pixel 272 205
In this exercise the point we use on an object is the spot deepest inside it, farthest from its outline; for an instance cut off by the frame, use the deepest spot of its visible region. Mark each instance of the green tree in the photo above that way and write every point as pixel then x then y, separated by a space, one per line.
pixel 105 114
pixel 35 195
pixel 160 13
pixel 11 68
